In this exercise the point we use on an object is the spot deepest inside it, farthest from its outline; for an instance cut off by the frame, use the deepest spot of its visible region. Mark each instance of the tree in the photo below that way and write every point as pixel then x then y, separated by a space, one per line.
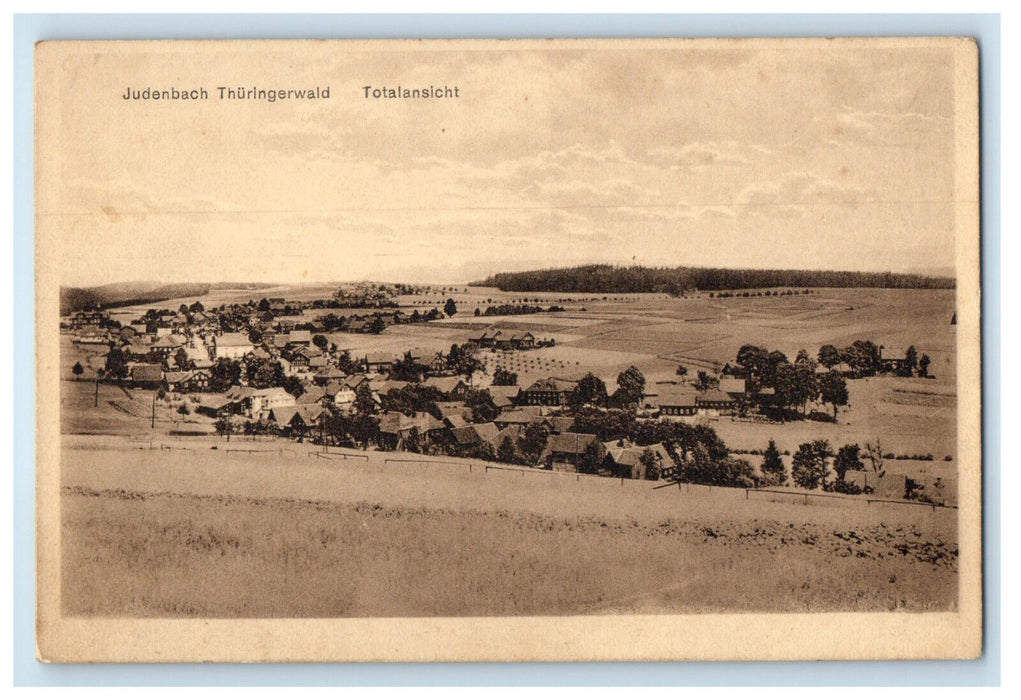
pixel 829 356
pixel 364 404
pixel 264 304
pixel 478 311
pixel 631 384
pixel 863 357
pixel 910 362
pixel 874 454
pixel 591 459
pixel 502 377
pixel 806 383
pixel 77 370
pixel 681 370
pixel 320 341
pixel 590 390
pixel 809 465
pixel 534 440
pixel 224 374
pixel 506 451
pixel 450 308
pixel 833 390
pixel 706 381
pixel 255 336
pixel 181 359
pixel 650 461
pixel 183 309
pixel 773 470
pixel 923 366
pixel 376 326
pixel 196 307
pixel 848 459
pixel 293 386
pixel 116 364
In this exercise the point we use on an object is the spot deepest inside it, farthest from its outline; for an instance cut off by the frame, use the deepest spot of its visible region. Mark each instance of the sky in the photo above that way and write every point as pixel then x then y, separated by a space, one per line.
pixel 820 155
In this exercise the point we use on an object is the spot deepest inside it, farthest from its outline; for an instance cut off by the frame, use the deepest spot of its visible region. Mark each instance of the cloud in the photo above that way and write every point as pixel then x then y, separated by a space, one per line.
pixel 796 193
pixel 701 155
pixel 855 127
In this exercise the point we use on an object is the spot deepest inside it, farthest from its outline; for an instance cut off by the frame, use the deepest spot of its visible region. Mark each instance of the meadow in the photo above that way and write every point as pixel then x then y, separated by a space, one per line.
pixel 198 532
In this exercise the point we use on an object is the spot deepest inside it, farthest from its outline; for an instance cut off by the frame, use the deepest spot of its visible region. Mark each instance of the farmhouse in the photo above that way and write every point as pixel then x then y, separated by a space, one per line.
pixel 296 420
pixel 547 392
pixel 451 387
pixel 475 434
pixel 485 339
pixel 379 362
pixel 677 401
pixel 626 461
pixel 395 429
pixel 188 381
pixel 146 376
pixel 566 450
pixel 233 346
pixel 714 402
pixel 892 359
pixel 261 401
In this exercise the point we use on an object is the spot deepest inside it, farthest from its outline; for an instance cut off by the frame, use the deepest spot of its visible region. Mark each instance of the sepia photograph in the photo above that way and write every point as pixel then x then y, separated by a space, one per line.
pixel 508 350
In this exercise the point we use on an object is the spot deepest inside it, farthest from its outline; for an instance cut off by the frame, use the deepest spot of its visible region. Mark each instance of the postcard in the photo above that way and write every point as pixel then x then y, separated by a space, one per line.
pixel 487 350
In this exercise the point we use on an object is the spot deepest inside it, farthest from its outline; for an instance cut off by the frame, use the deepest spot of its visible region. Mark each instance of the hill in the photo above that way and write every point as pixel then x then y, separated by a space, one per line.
pixel 125 294
pixel 676 280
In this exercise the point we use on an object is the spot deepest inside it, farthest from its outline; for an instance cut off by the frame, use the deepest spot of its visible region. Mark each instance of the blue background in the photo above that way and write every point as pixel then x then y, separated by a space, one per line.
pixel 31 28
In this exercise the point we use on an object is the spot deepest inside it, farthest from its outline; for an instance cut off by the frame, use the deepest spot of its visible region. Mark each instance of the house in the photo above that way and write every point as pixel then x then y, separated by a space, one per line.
pixel 187 381
pixel 626 460
pixel 165 347
pixel 314 395
pixel 452 387
pixel 299 338
pixel 261 401
pixel 714 403
pixel 476 433
pixel 428 361
pixel 146 376
pixel 211 405
pixel 522 341
pixel 893 359
pixel 521 416
pixel 395 429
pixel 566 451
pixel 233 346
pixel 341 393
pixel 485 339
pixel 138 351
pixel 296 419
pixel 327 375
pixel 504 396
pixel 677 401
pixel 379 362
pixel 547 392
pixel 733 387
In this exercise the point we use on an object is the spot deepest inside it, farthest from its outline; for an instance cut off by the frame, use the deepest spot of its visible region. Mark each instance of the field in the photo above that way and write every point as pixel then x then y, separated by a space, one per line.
pixel 192 531
pixel 197 531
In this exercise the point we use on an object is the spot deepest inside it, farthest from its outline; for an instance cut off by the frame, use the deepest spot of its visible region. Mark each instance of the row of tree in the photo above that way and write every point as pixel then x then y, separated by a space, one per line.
pixel 678 280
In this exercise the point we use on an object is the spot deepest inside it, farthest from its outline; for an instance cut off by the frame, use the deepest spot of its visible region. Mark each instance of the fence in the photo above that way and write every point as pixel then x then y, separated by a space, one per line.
pixel 849 500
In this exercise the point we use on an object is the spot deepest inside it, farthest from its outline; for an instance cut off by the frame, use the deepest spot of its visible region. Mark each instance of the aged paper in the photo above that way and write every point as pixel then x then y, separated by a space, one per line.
pixel 508 350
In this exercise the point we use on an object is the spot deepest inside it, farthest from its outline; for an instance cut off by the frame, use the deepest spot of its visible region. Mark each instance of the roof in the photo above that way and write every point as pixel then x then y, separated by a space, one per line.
pixel 300 337
pixel 503 395
pixel 175 377
pixel 677 396
pixel 379 357
pixel 632 455
pixel 330 372
pixel 521 416
pixel 553 384
pixel 444 384
pixel 571 443
pixel 714 396
pixel 147 373
pixel 393 423
pixel 232 340
pixel 312 394
pixel 168 341
pixel 732 385
pixel 284 415
pixel 561 424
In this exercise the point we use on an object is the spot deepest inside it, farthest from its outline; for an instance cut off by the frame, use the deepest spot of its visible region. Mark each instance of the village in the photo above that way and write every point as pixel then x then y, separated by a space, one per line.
pixel 262 368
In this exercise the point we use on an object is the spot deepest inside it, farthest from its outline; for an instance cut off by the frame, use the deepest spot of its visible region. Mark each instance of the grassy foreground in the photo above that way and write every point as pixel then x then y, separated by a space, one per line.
pixel 148 554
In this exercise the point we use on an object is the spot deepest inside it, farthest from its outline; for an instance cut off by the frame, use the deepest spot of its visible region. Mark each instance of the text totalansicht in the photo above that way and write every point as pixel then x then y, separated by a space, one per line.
pixel 399 92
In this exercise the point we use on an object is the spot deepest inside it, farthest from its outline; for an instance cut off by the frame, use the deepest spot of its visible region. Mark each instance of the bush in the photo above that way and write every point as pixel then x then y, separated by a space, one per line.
pixel 183 409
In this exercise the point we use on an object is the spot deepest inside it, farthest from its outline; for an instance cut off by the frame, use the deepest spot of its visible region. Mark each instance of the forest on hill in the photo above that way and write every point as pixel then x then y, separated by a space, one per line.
pixel 110 296
pixel 678 280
